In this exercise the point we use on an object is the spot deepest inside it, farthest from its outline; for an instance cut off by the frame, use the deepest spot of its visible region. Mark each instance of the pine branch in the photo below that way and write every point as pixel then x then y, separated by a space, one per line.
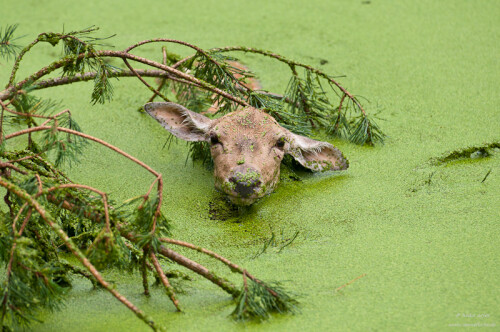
pixel 7 46
pixel 76 252
pixel 48 212
pixel 370 136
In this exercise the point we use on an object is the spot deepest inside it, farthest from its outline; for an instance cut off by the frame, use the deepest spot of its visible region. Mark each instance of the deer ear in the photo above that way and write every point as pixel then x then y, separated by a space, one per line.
pixel 183 123
pixel 316 155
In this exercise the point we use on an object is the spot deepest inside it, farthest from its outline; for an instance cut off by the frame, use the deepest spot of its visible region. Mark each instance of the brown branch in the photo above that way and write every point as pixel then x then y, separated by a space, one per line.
pixel 350 282
pixel 9 165
pixel 224 260
pixel 88 76
pixel 200 269
pixel 25 222
pixel 339 110
pixel 159 40
pixel 162 83
pixel 156 92
pixel 168 288
pixel 210 253
pixel 1 121
pixel 54 117
pixel 33 115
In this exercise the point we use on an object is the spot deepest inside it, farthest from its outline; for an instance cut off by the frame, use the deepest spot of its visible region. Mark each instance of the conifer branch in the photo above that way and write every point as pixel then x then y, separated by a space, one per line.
pixel 74 249
pixel 82 186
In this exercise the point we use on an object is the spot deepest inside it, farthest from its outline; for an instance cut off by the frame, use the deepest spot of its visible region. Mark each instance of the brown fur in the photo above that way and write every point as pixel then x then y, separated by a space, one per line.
pixel 247 147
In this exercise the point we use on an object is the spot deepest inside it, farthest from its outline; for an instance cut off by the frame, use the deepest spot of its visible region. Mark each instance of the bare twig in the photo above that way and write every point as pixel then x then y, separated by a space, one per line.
pixel 156 92
pixel 169 289
pixel 350 282
pixel 162 83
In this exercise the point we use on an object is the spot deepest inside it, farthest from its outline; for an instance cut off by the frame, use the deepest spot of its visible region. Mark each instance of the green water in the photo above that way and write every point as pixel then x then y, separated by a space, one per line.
pixel 426 236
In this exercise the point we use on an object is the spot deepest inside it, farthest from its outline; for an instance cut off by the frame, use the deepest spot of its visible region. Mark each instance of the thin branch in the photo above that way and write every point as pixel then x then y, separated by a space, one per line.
pixel 339 110
pixel 77 133
pixel 290 63
pixel 210 253
pixel 54 117
pixel 156 92
pixel 169 289
pixel 1 121
pixel 204 251
pixel 159 40
pixel 162 83
pixel 9 165
pixel 144 271
pixel 89 76
pixel 18 60
pixel 350 282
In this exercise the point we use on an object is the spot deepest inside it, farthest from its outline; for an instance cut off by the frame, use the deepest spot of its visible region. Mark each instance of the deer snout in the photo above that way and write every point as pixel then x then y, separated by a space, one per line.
pixel 245 179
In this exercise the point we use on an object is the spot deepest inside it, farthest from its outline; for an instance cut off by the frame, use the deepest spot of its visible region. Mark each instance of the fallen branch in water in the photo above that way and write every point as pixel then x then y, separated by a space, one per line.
pixel 47 212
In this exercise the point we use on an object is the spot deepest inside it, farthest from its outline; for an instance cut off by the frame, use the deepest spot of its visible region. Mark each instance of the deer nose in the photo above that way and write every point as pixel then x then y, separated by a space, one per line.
pixel 246 180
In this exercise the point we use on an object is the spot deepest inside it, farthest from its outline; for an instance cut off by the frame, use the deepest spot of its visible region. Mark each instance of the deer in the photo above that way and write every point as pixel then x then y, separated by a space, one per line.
pixel 247 147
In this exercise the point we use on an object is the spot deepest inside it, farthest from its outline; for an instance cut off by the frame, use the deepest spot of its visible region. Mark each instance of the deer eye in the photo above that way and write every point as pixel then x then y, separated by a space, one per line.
pixel 280 143
pixel 214 139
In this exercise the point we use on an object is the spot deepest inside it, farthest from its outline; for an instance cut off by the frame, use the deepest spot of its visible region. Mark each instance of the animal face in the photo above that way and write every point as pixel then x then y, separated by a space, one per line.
pixel 247 147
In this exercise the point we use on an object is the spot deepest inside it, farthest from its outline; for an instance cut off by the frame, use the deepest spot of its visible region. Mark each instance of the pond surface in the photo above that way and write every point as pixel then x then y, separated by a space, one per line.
pixel 424 234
